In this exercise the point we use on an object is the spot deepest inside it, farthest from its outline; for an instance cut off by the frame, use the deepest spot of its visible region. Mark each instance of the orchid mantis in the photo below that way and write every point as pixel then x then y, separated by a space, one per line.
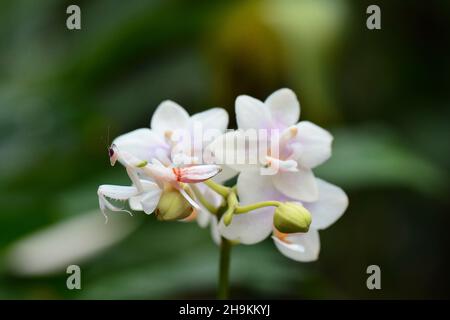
pixel 149 181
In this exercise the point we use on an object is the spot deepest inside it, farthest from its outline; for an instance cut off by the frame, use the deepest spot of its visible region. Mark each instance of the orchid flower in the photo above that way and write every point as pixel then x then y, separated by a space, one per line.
pixel 173 123
pixel 258 224
pixel 302 146
pixel 298 148
pixel 175 138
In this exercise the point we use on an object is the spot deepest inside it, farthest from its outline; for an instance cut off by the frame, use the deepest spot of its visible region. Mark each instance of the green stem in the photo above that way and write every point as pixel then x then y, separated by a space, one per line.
pixel 220 189
pixel 225 246
pixel 203 200
pixel 224 269
pixel 254 206
pixel 232 203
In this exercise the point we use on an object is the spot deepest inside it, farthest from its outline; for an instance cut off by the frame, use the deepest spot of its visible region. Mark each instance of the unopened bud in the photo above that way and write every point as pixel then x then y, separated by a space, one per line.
pixel 291 217
pixel 173 206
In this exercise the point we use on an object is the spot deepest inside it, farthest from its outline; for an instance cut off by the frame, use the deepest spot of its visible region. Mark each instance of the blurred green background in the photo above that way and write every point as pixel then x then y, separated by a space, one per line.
pixel 64 95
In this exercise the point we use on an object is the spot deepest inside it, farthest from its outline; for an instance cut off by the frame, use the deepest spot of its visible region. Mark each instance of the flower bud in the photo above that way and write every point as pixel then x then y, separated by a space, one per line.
pixel 173 206
pixel 291 217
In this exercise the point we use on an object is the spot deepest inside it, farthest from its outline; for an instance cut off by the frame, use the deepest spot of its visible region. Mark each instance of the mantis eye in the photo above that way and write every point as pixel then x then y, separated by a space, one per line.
pixel 112 155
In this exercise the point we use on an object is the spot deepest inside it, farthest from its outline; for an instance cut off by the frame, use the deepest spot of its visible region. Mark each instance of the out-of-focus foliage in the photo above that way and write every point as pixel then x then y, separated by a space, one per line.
pixel 65 94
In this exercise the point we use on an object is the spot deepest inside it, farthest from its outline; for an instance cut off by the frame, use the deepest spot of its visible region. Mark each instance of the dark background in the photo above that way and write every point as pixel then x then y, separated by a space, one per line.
pixel 64 95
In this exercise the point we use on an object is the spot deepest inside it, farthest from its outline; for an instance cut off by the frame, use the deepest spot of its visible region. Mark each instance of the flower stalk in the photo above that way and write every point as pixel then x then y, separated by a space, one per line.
pixel 220 189
pixel 224 269
pixel 199 196
pixel 254 206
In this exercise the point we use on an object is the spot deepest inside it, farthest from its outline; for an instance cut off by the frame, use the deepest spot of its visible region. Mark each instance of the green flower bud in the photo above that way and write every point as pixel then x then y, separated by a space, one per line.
pixel 173 206
pixel 291 217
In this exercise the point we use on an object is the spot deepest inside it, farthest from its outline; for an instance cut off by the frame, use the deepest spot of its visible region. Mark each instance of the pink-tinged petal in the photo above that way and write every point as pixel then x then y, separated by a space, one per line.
pixel 300 185
pixel 330 206
pixel 252 113
pixel 215 118
pixel 312 145
pixel 253 187
pixel 249 228
pixel 169 116
pixel 142 143
pixel 196 173
pixel 303 247
pixel 284 107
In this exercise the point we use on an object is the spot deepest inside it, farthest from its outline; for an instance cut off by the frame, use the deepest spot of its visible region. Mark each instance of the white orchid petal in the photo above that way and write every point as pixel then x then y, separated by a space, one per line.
pixel 303 247
pixel 215 234
pixel 211 196
pixel 252 113
pixel 257 225
pixel 284 107
pixel 330 206
pixel 288 135
pixel 253 187
pixel 237 149
pixel 312 145
pixel 196 173
pixel 249 228
pixel 203 217
pixel 300 185
pixel 169 116
pixel 227 173
pixel 215 118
